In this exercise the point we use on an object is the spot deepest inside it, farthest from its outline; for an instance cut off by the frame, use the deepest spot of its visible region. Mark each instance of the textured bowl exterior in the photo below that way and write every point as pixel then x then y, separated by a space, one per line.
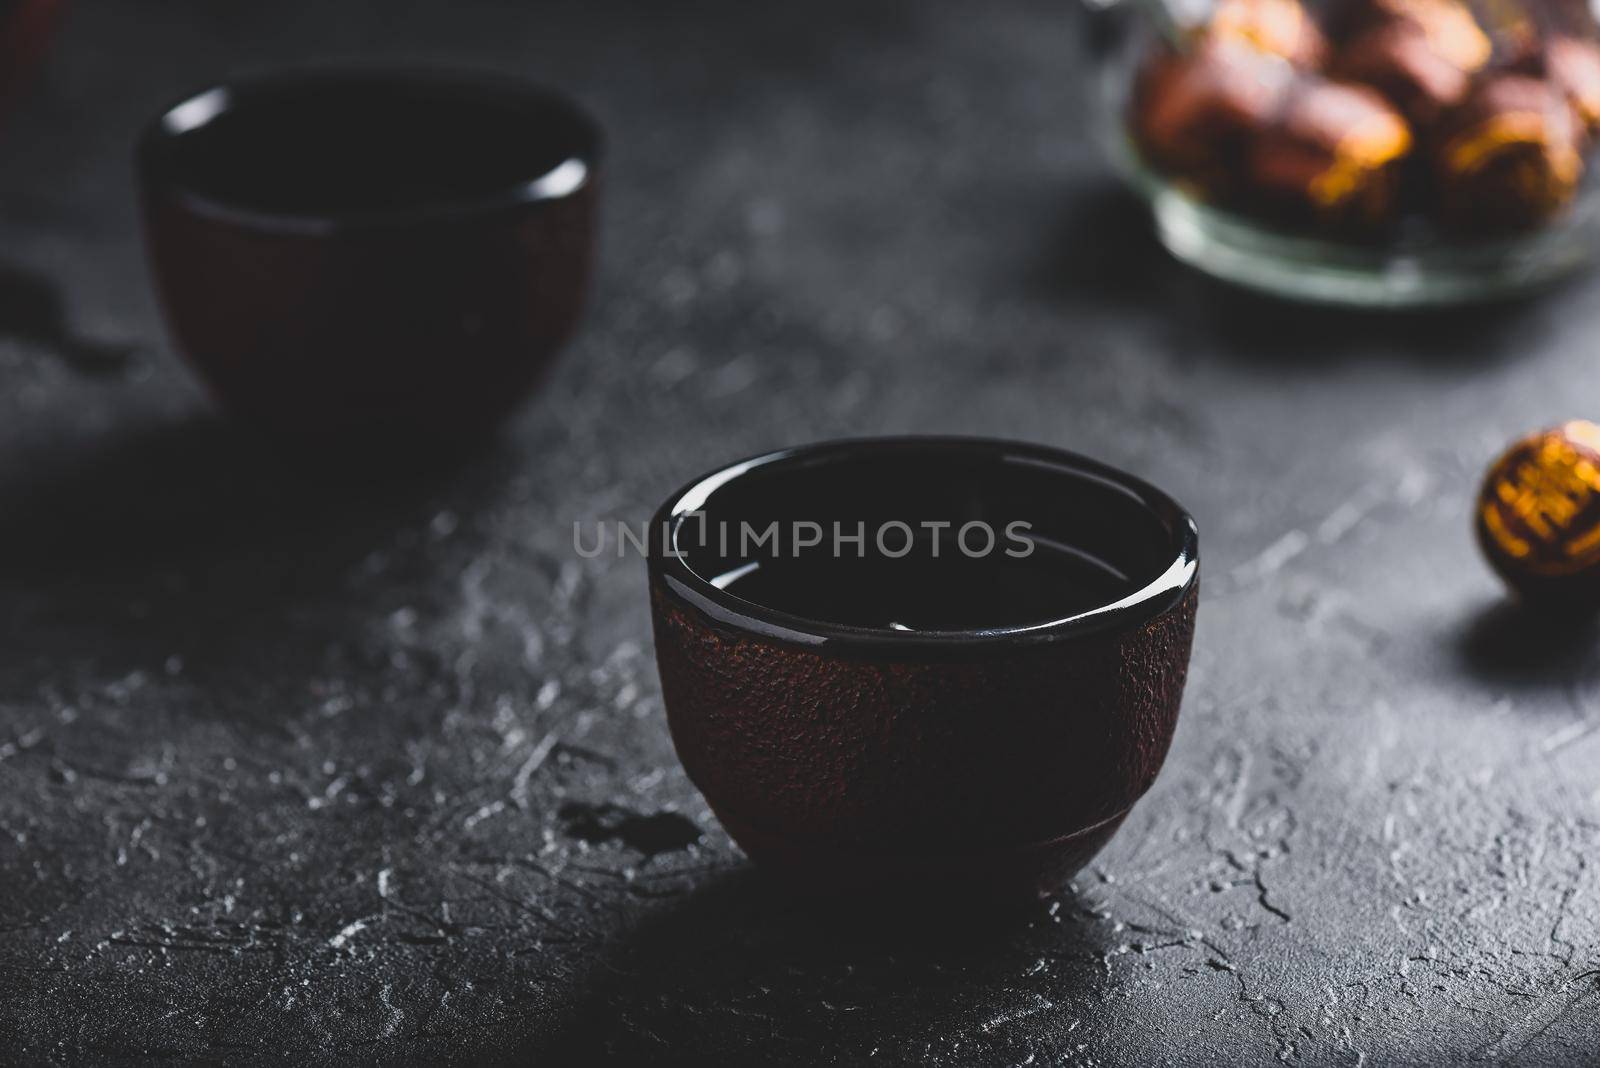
pixel 999 770
pixel 433 330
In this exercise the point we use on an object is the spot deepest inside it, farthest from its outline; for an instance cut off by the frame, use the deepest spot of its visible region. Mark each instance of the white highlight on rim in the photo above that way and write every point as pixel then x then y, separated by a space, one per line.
pixel 193 114
pixel 728 578
pixel 1175 577
pixel 567 178
pixel 697 495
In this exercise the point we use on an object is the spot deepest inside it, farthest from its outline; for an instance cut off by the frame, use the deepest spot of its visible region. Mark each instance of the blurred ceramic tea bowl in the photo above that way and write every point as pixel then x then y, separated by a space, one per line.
pixel 371 258
pixel 25 30
pixel 935 665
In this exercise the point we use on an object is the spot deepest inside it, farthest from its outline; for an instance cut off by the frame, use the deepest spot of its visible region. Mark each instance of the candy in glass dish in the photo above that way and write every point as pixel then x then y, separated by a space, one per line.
pixel 1365 152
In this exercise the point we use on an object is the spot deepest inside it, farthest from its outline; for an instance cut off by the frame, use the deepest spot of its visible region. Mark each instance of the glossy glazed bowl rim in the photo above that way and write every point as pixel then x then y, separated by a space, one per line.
pixel 1157 596
pixel 563 180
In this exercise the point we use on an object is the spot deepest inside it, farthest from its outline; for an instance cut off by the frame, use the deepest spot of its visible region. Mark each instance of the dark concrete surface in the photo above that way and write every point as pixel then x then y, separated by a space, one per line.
pixel 375 769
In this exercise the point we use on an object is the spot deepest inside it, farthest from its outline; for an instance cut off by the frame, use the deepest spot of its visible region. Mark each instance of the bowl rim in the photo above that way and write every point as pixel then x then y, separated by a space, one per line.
pixel 1163 592
pixel 561 181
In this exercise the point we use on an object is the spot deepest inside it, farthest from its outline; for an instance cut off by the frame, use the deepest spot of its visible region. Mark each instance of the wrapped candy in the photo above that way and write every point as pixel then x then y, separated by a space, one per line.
pixel 1282 28
pixel 1538 516
pixel 1508 157
pixel 1332 156
pixel 1196 112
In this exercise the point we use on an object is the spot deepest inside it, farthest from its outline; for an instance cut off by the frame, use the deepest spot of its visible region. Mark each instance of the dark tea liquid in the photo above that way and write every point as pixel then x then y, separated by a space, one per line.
pixel 921 592
pixel 354 146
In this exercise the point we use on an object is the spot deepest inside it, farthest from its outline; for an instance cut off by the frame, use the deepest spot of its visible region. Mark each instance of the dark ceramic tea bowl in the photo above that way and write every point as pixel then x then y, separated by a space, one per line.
pixel 967 700
pixel 371 257
pixel 25 28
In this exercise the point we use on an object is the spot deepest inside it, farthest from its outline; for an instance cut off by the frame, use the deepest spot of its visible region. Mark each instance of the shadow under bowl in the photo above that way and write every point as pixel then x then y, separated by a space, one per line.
pixel 939 666
pixel 371 257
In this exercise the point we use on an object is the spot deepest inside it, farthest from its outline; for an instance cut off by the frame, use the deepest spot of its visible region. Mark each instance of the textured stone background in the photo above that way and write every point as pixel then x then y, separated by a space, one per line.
pixel 378 771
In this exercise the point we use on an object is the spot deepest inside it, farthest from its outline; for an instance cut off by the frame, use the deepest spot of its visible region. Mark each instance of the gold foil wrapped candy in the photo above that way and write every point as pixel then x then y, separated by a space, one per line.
pixel 1420 54
pixel 1331 156
pixel 1282 28
pixel 1196 112
pixel 1509 157
pixel 1538 516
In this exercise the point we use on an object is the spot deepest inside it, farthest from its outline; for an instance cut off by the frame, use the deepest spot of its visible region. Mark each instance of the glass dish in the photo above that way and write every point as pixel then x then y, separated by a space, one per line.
pixel 1419 267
